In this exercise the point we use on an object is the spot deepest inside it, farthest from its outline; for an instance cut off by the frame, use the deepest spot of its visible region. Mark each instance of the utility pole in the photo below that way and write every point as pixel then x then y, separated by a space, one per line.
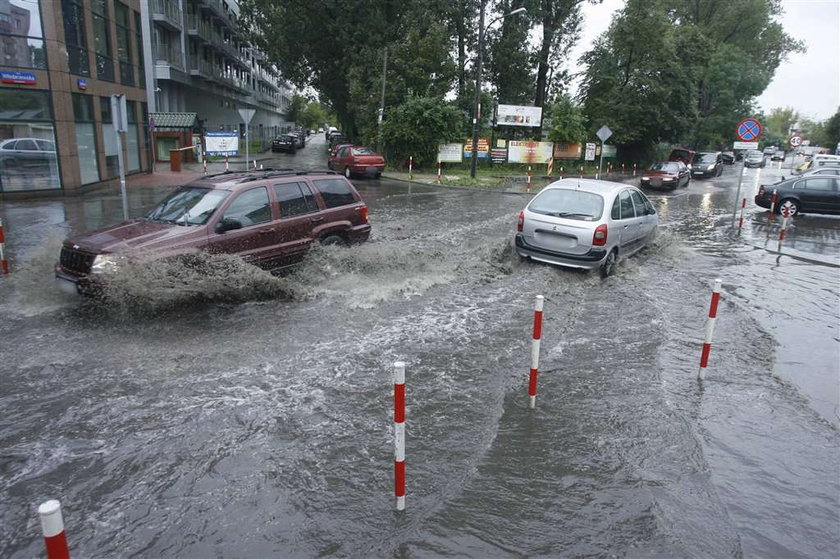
pixel 382 99
pixel 477 104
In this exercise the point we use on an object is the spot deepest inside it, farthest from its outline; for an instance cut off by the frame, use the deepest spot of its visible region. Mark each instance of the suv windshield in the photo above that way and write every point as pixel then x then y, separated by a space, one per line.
pixel 188 206
pixel 572 204
pixel 704 158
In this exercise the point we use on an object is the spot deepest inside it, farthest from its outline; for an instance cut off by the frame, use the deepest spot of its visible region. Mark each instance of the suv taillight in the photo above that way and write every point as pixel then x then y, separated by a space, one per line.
pixel 364 211
pixel 599 239
pixel 521 221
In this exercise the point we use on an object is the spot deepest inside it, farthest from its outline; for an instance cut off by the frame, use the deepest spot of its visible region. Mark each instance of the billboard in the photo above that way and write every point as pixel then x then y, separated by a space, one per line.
pixel 529 152
pixel 518 115
pixel 567 151
pixel 221 143
pixel 483 150
pixel 449 153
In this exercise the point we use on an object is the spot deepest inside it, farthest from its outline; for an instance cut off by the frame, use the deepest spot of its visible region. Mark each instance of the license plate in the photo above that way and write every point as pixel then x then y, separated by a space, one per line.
pixel 373 169
pixel 66 286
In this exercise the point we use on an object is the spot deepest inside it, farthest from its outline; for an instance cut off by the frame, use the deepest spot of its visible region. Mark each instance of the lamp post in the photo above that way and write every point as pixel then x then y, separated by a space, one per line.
pixel 477 107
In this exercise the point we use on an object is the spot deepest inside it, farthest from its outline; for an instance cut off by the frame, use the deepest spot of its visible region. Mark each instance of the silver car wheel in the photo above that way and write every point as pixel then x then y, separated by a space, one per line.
pixel 607 266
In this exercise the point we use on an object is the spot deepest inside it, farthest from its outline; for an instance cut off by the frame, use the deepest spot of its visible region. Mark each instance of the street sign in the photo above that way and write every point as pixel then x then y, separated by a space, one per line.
pixel 590 152
pixel 748 130
pixel 603 133
pixel 796 141
pixel 247 114
pixel 745 145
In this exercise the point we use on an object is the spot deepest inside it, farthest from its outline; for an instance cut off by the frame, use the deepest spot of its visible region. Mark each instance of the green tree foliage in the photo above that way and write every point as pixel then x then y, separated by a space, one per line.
pixel 313 115
pixel 509 59
pixel 635 82
pixel 568 124
pixel 558 22
pixel 295 110
pixel 415 128
pixel 831 131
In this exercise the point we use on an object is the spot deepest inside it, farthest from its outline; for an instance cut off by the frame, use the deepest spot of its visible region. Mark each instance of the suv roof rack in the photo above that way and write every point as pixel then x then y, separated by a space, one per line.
pixel 269 173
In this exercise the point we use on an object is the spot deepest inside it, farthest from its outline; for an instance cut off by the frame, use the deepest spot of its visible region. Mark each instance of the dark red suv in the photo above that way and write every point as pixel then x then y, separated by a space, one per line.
pixel 269 218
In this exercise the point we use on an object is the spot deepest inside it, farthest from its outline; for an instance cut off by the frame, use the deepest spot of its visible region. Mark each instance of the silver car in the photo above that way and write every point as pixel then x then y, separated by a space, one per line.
pixel 587 224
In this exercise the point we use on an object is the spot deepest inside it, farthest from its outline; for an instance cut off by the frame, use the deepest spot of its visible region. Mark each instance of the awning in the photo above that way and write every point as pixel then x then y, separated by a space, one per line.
pixel 174 120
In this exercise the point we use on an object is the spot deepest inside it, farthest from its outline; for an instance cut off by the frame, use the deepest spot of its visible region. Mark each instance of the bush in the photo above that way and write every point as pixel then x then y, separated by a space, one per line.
pixel 415 128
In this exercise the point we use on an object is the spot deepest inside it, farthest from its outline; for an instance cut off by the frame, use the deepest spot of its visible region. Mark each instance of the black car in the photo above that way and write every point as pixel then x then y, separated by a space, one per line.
pixel 728 157
pixel 819 194
pixel 287 143
pixel 301 138
pixel 707 164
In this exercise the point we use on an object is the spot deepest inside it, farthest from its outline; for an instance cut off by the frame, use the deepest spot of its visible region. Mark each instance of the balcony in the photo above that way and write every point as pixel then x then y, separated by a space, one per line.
pixel 198 28
pixel 216 7
pixel 201 68
pixel 167 13
pixel 169 55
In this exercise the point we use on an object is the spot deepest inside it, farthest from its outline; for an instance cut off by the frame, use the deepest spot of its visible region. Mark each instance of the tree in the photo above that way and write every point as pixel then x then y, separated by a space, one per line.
pixel 832 130
pixel 509 60
pixel 295 110
pixel 568 124
pixel 560 22
pixel 416 127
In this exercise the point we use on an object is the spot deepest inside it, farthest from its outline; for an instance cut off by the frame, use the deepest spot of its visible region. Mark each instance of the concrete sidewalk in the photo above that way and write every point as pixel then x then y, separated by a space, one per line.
pixel 163 176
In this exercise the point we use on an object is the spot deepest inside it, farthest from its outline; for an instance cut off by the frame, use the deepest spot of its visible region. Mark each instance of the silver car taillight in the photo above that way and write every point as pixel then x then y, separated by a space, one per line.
pixel 521 221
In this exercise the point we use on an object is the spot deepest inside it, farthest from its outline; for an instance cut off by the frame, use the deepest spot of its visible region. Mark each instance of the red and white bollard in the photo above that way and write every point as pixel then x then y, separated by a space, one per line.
pixel 710 330
pixel 741 221
pixel 581 172
pixel 411 167
pixel 4 264
pixel 562 175
pixel 399 434
pixel 634 169
pixel 255 164
pixel 785 218
pixel 440 166
pixel 535 351
pixel 773 199
pixel 205 165
pixel 622 168
pixel 227 164
pixel 529 178
pixel 52 526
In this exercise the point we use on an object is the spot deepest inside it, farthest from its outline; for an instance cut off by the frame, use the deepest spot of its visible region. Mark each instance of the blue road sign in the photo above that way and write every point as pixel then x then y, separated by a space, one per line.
pixel 748 130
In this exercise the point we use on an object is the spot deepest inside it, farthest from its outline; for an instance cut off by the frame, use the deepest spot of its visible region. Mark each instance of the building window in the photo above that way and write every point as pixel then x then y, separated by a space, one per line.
pixel 75 37
pixel 102 40
pixel 28 156
pixel 86 137
pixel 112 164
pixel 124 44
pixel 21 38
pixel 132 139
pixel 141 68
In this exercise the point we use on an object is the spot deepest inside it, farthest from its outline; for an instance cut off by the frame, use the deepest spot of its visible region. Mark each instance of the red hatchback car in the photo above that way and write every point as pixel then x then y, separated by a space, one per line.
pixel 666 174
pixel 357 160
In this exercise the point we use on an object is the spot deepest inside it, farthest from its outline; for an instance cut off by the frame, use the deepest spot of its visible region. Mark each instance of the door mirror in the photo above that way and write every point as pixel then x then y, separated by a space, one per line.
pixel 228 224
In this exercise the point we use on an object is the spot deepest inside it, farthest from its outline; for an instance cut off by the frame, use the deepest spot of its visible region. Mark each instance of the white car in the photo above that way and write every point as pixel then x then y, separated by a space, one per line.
pixel 581 223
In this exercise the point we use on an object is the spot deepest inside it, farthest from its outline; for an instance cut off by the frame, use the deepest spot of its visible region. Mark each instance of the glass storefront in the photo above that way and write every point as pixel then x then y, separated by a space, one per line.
pixel 132 140
pixel 28 157
pixel 86 137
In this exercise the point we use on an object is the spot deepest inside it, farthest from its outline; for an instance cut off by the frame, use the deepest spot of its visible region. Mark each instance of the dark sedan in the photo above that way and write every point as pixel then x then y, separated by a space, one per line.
pixel 286 142
pixel 819 194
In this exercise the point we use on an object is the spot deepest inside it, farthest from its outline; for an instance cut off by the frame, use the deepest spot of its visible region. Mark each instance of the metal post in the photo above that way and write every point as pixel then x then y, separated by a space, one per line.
pixel 601 160
pixel 382 98
pixel 477 104
pixel 247 158
pixel 738 193
pixel 123 192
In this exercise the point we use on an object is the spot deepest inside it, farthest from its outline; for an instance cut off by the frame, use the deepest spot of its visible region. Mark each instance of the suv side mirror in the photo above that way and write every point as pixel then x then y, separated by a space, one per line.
pixel 228 224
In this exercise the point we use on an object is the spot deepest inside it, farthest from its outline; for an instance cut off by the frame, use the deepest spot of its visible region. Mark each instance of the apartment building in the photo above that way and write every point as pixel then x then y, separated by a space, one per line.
pixel 202 66
pixel 60 62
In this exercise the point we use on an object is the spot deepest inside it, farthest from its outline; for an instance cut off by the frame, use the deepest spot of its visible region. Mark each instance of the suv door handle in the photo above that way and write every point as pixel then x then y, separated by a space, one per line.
pixel 317 219
pixel 266 231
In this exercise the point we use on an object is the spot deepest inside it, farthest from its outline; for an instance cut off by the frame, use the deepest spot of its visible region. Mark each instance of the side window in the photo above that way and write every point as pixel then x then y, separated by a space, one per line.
pixel 250 208
pixel 639 203
pixel 342 152
pixel 27 145
pixel 616 209
pixel 626 205
pixel 295 199
pixel 336 192
pixel 821 183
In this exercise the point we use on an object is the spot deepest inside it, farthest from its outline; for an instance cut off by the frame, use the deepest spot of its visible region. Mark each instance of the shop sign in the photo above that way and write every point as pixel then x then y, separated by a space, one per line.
pixel 483 150
pixel 21 78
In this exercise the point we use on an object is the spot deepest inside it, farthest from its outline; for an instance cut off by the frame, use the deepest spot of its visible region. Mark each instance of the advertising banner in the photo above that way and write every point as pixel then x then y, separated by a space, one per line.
pixel 518 115
pixel 449 153
pixel 483 148
pixel 499 155
pixel 590 152
pixel 222 143
pixel 529 152
pixel 567 151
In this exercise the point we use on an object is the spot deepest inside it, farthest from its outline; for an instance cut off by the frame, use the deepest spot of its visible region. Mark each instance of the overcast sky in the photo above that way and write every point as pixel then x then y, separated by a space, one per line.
pixel 808 82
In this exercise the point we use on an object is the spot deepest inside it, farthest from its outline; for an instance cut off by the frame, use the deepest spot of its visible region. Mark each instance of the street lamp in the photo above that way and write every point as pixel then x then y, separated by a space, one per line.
pixel 477 108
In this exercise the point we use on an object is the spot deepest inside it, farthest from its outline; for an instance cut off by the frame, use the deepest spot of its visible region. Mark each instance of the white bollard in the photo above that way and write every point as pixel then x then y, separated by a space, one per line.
pixel 52 526
pixel 710 330
pixel 535 351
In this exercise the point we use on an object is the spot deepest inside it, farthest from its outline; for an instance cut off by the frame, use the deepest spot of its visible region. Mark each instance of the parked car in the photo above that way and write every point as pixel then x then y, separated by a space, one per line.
pixel 26 153
pixel 301 138
pixel 778 155
pixel 333 150
pixel 269 218
pixel 754 159
pixel 582 223
pixel 668 174
pixel 769 150
pixel 357 160
pixel 336 140
pixel 287 143
pixel 833 171
pixel 818 194
pixel 682 154
pixel 707 164
pixel 728 157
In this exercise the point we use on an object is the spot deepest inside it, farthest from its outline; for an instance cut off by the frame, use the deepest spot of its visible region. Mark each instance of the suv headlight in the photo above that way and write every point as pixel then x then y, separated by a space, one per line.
pixel 106 264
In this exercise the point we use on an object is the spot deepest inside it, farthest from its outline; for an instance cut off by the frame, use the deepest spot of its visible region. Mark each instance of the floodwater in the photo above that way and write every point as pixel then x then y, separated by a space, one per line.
pixel 251 416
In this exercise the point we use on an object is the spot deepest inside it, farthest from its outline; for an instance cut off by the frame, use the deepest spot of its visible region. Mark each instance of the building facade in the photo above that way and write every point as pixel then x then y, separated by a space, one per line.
pixel 60 63
pixel 201 65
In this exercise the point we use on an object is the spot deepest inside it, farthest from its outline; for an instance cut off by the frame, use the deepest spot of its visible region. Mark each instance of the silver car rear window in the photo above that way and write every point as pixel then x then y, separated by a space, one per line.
pixel 566 203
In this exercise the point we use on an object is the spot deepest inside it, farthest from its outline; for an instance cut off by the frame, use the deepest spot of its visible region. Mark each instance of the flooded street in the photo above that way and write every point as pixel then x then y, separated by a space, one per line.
pixel 259 424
